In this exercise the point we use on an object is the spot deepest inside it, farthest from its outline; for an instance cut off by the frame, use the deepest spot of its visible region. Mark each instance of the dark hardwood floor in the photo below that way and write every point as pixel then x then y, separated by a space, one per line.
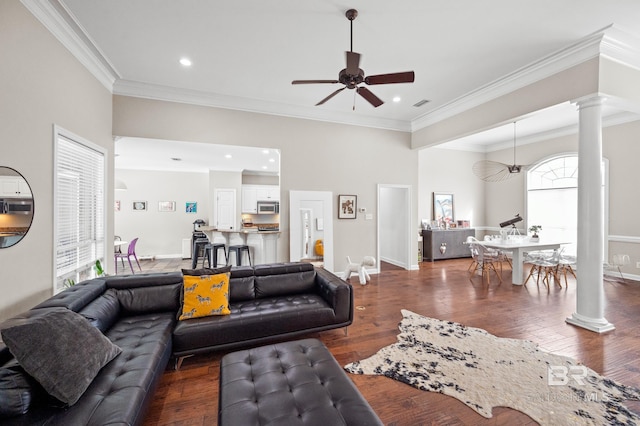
pixel 441 290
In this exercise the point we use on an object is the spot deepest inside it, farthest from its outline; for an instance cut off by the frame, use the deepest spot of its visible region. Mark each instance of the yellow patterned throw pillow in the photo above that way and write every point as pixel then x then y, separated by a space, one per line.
pixel 205 295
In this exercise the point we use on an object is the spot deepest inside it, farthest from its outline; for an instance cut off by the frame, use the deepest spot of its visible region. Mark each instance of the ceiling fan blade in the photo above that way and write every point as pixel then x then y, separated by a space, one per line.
pixel 398 77
pixel 353 63
pixel 314 81
pixel 331 96
pixel 369 96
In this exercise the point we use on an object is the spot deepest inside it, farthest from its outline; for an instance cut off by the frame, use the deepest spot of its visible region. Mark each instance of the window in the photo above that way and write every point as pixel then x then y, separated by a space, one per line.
pixel 552 199
pixel 79 207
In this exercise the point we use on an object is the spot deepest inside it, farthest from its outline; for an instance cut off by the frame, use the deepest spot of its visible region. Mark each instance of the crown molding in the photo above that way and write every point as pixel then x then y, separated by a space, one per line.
pixel 568 130
pixel 195 97
pixel 61 23
pixel 610 41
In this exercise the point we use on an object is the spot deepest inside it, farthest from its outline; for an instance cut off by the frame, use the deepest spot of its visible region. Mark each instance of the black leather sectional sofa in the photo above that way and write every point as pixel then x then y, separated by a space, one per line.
pixel 138 314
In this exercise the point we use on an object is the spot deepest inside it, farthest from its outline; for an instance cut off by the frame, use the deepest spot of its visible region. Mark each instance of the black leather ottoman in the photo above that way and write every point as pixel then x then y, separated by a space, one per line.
pixel 290 383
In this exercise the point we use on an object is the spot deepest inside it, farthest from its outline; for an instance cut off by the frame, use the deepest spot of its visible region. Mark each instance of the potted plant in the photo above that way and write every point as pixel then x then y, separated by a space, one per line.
pixel 534 230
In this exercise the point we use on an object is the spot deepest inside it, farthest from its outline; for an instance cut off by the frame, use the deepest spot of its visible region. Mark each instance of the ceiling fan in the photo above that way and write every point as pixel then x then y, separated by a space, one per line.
pixel 494 171
pixel 352 75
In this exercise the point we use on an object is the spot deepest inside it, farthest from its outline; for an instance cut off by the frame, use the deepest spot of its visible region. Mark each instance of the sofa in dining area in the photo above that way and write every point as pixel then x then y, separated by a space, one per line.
pixel 94 353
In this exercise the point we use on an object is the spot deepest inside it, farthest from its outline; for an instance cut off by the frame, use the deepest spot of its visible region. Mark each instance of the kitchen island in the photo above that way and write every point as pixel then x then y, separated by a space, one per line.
pixel 263 245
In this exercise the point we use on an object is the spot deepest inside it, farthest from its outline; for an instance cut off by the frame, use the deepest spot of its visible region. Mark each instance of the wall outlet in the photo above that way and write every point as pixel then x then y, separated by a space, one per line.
pixel 638 265
pixel 363 209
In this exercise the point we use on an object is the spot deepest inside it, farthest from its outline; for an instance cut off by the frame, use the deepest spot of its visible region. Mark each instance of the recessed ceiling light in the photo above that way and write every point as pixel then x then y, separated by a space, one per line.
pixel 228 156
pixel 397 99
pixel 264 167
pixel 271 160
pixel 265 151
pixel 185 62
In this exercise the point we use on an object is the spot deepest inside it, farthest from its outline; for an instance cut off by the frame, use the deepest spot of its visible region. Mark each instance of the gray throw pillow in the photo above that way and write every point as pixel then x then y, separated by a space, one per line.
pixel 61 350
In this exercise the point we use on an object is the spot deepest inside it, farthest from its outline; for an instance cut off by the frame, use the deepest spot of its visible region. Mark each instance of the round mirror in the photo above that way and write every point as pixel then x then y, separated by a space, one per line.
pixel 16 207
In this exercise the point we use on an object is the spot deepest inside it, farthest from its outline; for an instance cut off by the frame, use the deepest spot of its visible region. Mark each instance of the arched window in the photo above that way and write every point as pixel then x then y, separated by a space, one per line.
pixel 552 198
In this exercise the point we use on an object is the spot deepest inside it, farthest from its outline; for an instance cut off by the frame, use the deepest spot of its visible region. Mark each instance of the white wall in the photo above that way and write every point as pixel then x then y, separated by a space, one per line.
pixel 445 170
pixel 41 84
pixel 160 233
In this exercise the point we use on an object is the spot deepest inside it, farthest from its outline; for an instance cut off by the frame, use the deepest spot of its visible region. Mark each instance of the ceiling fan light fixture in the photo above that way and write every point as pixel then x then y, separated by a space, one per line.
pixel 352 76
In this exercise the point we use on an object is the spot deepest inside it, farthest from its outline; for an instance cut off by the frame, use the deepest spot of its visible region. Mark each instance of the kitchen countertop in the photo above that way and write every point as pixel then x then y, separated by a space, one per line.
pixel 253 230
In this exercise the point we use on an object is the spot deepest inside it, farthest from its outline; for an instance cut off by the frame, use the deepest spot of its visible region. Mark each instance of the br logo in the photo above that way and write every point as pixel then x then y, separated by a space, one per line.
pixel 559 375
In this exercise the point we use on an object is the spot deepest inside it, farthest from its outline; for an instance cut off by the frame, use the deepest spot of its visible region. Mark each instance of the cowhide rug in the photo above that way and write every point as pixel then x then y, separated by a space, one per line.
pixel 485 371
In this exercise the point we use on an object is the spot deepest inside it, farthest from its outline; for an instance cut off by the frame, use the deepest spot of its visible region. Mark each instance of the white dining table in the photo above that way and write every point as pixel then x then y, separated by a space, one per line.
pixel 519 247
pixel 120 243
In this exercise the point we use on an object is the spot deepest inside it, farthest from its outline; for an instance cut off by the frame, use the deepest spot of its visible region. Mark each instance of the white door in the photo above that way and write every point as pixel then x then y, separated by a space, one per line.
pixel 225 208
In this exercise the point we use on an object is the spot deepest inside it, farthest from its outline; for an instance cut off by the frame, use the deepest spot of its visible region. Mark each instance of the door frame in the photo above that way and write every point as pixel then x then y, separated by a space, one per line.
pixel 295 197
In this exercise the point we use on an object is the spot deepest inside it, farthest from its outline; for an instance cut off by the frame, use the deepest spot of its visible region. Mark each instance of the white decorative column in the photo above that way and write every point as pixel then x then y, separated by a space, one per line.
pixel 590 291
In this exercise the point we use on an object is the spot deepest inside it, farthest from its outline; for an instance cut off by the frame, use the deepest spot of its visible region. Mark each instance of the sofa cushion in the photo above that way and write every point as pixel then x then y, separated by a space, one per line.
pixel 145 300
pixel 242 284
pixel 103 312
pixel 17 390
pixel 254 321
pixel 205 295
pixel 284 279
pixel 61 350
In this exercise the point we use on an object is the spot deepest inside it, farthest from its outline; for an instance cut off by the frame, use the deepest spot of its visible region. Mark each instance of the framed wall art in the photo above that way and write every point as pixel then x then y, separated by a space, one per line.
pixel 443 207
pixel 166 206
pixel 191 207
pixel 347 206
pixel 139 206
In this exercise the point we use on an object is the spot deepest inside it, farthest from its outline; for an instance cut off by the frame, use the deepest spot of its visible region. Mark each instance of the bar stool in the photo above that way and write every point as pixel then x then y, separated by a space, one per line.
pixel 198 248
pixel 211 254
pixel 238 249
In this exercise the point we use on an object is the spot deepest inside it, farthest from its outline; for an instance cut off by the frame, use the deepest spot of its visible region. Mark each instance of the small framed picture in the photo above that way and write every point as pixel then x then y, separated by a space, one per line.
pixel 191 207
pixel 443 207
pixel 166 206
pixel 347 206
pixel 117 205
pixel 139 206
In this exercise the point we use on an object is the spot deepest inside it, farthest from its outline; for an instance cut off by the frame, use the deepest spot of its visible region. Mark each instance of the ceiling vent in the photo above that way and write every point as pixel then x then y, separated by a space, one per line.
pixel 420 103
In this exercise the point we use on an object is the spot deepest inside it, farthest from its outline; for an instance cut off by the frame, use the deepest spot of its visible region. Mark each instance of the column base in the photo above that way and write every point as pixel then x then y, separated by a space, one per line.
pixel 598 325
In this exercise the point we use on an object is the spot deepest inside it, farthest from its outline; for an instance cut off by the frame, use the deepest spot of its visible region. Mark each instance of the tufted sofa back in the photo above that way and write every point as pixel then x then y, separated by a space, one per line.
pixel 261 281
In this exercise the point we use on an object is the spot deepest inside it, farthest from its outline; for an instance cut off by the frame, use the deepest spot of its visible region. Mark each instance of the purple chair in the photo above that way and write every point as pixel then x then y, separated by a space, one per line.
pixel 131 251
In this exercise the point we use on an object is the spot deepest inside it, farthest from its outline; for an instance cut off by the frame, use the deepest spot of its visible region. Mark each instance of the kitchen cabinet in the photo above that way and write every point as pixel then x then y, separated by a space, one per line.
pixel 251 194
pixel 446 244
pixel 14 186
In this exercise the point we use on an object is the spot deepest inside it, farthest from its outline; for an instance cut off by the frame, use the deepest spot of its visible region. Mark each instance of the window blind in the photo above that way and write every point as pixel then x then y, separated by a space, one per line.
pixel 79 209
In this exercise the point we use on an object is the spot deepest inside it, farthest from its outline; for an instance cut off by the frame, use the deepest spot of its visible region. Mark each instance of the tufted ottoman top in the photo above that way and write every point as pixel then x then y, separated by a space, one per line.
pixel 290 383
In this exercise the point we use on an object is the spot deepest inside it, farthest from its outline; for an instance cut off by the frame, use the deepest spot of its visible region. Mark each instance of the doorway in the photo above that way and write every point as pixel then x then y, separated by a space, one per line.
pixel 310 221
pixel 394 226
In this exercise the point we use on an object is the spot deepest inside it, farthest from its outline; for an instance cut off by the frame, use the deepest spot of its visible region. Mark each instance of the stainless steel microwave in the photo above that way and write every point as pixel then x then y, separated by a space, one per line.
pixel 268 207
pixel 16 206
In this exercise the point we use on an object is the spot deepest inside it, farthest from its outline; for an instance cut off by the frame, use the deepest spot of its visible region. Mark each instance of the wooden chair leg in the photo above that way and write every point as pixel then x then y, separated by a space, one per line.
pixel 531 271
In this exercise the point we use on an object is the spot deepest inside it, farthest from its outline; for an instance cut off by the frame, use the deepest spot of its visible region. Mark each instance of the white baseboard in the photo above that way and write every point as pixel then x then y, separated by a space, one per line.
pixel 161 256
